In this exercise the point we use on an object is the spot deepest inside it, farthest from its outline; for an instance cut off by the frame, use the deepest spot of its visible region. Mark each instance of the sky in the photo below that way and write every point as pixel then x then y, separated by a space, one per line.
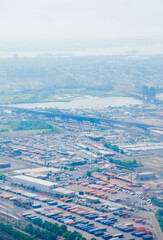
pixel 68 19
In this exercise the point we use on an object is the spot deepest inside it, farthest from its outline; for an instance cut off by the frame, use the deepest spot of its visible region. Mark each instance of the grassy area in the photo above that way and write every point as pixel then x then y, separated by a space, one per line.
pixel 157 202
pixel 126 163
pixel 28 125
pixel 159 216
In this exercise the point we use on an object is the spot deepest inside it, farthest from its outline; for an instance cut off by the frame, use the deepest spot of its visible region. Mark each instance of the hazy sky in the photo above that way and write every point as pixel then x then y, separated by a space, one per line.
pixel 34 19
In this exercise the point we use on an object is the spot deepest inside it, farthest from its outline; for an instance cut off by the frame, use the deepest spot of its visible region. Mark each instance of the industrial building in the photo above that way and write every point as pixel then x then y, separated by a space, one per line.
pixel 33 172
pixel 39 184
pixel 4 165
pixel 146 176
pixel 92 199
pixel 63 192
pixel 106 153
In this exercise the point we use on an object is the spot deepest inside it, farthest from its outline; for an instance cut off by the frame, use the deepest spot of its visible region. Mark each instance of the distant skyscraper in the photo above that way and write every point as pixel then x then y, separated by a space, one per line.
pixel 145 91
pixel 152 92
pixel 14 56
pixel 149 93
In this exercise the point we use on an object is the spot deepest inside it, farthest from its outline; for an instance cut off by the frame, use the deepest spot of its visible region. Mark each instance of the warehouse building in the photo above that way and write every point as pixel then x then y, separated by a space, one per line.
pixel 92 199
pixel 146 176
pixel 39 184
pixel 63 192
pixel 107 153
pixel 38 171
pixel 4 165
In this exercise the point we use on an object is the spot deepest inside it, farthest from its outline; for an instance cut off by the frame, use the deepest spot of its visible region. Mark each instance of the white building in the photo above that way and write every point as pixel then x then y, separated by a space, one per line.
pixel 92 199
pixel 146 176
pixel 39 184
pixel 36 171
pixel 63 192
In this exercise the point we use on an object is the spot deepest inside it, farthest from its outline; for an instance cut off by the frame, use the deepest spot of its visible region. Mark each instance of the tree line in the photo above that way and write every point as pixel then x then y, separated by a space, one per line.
pixel 126 163
pixel 42 230
pixel 159 216
pixel 52 231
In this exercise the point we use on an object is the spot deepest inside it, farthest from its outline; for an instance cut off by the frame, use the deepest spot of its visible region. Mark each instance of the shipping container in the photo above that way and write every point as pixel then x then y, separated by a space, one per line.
pixel 37 205
pixel 52 203
pixel 120 235
pixel 97 230
pixel 99 219
pixel 26 214
pixel 138 220
pixel 99 233
pixel 107 236
pixel 148 237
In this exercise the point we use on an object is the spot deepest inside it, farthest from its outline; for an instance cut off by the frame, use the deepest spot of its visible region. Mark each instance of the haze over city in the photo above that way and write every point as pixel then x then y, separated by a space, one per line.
pixel 80 19
pixel 81 119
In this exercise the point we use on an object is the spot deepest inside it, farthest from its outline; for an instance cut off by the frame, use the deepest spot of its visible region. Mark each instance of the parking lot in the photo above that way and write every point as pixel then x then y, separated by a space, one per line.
pixel 90 220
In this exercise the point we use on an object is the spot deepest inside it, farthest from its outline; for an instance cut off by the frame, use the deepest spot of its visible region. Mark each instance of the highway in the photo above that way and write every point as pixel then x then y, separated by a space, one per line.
pixel 80 117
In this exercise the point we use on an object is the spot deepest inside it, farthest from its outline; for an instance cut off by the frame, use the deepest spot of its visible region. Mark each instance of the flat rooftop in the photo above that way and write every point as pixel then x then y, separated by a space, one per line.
pixel 63 190
pixel 34 180
pixel 38 170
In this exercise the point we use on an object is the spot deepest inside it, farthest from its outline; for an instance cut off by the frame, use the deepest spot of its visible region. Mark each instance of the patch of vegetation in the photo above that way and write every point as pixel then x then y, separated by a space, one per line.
pixel 89 173
pixel 54 230
pixel 47 235
pixel 72 169
pixel 16 234
pixel 110 146
pixel 53 110
pixel 126 163
pixel 2 177
pixel 81 193
pixel 45 231
pixel 108 178
pixel 159 216
pixel 140 184
pixel 30 125
pixel 97 170
pixel 157 202
pixel 87 149
pixel 142 209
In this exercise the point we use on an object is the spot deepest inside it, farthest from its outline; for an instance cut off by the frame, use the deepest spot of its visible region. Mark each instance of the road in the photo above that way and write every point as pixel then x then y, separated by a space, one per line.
pixel 156 228
pixel 81 117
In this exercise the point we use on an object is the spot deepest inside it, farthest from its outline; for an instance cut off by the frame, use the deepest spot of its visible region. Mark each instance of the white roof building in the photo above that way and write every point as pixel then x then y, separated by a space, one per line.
pixel 39 170
pixel 39 184
pixel 63 192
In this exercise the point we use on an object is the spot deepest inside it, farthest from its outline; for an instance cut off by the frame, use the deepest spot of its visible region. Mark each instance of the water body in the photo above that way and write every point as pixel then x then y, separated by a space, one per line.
pixel 84 103
pixel 130 49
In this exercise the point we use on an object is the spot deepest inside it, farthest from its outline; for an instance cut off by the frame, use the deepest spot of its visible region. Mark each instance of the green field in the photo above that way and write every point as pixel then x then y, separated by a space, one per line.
pixel 28 125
